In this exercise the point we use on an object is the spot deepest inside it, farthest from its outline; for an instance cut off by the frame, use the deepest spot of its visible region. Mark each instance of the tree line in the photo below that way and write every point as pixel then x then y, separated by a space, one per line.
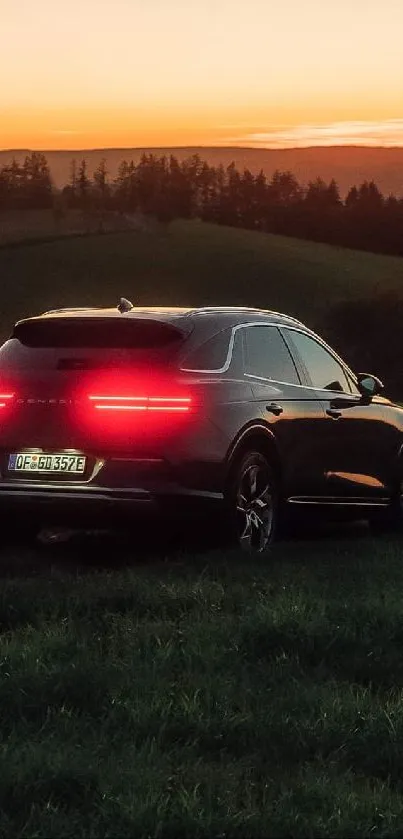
pixel 26 186
pixel 167 189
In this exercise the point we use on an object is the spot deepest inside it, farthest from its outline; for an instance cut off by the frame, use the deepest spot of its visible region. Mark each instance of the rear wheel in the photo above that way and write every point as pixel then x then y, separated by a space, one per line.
pixel 252 503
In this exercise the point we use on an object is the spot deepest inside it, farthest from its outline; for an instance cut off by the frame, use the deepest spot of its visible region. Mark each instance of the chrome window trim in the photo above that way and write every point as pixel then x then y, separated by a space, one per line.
pixel 331 352
pixel 263 378
pixel 280 325
pixel 228 359
pixel 305 387
pixel 277 382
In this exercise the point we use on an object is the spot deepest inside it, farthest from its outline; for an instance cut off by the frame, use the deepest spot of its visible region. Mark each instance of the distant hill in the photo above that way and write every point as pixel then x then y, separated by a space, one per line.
pixel 347 164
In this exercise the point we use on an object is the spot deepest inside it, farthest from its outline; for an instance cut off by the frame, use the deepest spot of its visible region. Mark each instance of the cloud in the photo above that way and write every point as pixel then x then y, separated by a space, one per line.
pixel 353 133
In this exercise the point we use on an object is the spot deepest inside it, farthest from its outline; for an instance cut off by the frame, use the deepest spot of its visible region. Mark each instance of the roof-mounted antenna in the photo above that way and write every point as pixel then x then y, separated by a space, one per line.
pixel 124 305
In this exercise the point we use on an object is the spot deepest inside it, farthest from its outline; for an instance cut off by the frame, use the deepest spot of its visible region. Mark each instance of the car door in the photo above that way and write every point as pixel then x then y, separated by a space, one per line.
pixel 357 454
pixel 294 412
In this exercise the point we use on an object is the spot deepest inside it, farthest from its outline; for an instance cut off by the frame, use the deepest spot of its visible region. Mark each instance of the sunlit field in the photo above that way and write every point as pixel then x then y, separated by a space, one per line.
pixel 173 694
pixel 190 263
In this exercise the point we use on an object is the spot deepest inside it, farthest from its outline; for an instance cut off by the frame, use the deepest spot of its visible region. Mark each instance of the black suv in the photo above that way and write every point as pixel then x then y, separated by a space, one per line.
pixel 117 412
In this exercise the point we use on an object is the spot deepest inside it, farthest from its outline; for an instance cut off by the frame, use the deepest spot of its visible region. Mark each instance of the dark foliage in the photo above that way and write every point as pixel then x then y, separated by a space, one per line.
pixel 361 331
pixel 28 186
pixel 166 189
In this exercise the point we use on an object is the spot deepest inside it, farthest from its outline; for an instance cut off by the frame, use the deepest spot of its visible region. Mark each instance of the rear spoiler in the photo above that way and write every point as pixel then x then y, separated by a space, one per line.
pixel 97 332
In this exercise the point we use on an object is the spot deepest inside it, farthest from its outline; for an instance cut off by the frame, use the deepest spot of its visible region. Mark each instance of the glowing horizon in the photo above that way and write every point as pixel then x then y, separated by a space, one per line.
pixel 128 74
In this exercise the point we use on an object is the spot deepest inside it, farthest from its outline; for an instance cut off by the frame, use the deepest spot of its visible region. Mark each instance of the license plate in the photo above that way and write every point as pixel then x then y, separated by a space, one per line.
pixel 46 463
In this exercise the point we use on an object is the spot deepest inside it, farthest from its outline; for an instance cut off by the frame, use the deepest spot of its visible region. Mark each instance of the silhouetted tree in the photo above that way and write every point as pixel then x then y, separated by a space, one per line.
pixel 352 197
pixel 83 182
pixel 121 185
pixel 36 181
pixel 101 189
pixel 73 179
pixel 101 180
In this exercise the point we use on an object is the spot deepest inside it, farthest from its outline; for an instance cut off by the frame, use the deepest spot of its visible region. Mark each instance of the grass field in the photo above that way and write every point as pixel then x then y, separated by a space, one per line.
pixel 203 696
pixel 191 264
pixel 206 696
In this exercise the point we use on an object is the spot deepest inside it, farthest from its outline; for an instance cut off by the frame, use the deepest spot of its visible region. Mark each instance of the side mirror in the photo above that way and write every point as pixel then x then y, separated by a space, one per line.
pixel 369 386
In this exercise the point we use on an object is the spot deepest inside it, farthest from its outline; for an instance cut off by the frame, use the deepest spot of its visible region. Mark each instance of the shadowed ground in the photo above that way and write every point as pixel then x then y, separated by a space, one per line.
pixel 178 693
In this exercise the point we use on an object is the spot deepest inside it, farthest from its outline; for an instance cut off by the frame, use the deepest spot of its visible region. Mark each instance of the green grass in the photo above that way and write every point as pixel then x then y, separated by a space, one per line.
pixel 207 696
pixel 192 264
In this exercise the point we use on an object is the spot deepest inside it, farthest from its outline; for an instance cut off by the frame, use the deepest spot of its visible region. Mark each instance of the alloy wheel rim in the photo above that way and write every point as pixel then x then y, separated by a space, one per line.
pixel 254 508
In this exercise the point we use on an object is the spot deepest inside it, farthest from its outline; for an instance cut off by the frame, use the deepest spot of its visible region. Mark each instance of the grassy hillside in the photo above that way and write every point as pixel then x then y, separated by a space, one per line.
pixel 208 697
pixel 191 264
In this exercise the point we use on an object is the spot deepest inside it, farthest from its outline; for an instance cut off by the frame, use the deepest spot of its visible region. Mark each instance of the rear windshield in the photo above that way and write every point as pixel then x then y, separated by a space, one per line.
pixel 83 344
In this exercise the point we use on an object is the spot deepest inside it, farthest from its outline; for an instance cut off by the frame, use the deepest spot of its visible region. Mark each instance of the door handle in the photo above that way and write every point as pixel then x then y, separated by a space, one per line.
pixel 274 409
pixel 333 413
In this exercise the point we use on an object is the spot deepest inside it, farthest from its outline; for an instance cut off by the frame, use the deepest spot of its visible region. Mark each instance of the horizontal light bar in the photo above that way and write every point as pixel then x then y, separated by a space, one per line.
pixel 140 399
pixel 181 408
pixel 167 399
pixel 146 403
pixel 6 397
pixel 123 398
pixel 168 407
pixel 121 407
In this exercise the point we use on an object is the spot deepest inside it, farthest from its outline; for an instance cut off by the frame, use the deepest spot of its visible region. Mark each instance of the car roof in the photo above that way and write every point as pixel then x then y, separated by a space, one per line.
pixel 219 316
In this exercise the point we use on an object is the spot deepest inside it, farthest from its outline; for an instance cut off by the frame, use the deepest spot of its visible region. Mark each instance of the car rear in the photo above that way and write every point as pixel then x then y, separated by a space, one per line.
pixel 96 416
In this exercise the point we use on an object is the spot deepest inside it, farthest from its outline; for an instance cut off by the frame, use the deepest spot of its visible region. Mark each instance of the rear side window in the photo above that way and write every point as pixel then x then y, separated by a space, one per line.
pixel 72 343
pixel 267 355
pixel 211 355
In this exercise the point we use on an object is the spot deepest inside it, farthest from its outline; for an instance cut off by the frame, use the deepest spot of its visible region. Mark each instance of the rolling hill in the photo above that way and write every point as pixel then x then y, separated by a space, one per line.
pixel 348 165
pixel 190 264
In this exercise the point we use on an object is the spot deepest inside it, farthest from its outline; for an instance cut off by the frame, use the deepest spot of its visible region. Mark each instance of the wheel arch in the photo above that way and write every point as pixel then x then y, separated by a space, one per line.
pixel 255 437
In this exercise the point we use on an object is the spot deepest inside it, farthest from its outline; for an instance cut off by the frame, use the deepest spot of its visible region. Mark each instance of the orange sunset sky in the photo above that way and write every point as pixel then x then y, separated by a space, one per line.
pixel 124 73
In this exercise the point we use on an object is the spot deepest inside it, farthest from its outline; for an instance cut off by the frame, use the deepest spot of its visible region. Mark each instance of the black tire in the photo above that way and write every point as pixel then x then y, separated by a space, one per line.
pixel 252 503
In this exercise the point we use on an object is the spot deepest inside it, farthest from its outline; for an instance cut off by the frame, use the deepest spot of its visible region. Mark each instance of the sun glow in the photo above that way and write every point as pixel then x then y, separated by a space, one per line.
pixel 130 73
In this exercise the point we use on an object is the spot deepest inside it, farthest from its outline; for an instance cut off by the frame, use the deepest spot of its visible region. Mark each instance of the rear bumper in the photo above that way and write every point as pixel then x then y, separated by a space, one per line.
pixel 98 504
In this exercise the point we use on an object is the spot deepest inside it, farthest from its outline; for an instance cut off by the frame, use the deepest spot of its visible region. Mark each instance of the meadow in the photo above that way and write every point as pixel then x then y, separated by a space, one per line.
pixel 189 263
pixel 201 694
pixel 164 691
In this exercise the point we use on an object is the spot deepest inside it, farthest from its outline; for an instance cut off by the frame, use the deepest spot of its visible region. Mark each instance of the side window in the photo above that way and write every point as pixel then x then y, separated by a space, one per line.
pixel 211 355
pixel 323 370
pixel 268 356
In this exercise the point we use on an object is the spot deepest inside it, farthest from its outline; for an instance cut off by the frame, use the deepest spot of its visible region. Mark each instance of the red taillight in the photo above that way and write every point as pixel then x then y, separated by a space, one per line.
pixel 147 405
pixel 6 399
pixel 179 404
